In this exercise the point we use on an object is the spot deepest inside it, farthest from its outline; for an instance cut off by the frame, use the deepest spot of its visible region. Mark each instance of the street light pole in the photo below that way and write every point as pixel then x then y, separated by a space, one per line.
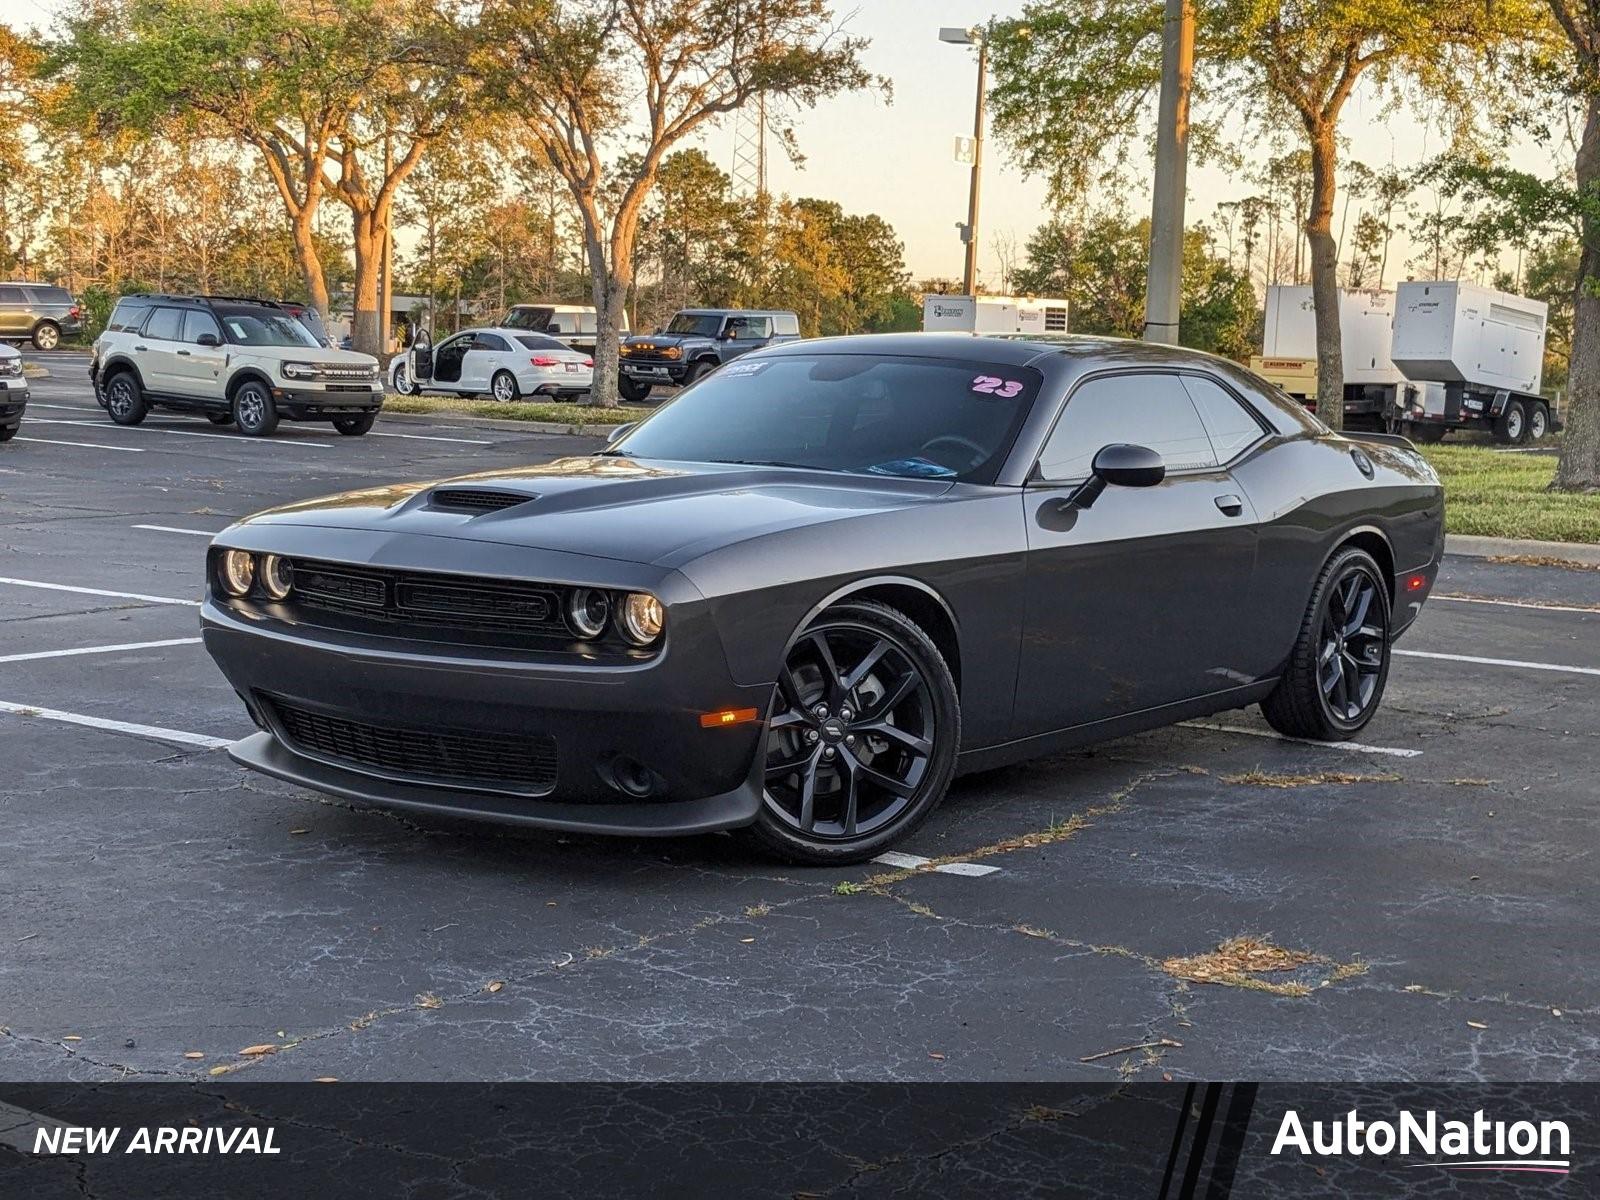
pixel 969 278
pixel 1163 284
pixel 973 37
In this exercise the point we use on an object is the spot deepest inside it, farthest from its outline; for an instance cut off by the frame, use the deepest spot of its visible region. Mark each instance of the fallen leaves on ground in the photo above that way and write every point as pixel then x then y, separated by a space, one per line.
pixel 429 1000
pixel 1266 779
pixel 1247 961
pixel 257 1051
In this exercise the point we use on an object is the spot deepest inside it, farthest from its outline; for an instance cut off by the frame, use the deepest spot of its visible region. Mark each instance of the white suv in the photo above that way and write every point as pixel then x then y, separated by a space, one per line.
pixel 244 362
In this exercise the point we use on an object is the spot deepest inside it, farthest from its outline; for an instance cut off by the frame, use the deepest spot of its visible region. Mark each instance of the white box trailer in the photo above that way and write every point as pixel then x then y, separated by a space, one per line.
pixel 1485 348
pixel 1288 355
pixel 993 314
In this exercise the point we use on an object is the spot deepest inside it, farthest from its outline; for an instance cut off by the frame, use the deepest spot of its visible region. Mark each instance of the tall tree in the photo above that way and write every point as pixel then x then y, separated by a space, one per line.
pixel 589 78
pixel 318 88
pixel 1073 83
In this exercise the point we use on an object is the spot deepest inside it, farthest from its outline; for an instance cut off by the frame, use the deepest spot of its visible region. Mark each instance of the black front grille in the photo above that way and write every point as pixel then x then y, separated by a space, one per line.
pixel 524 764
pixel 478 499
pixel 425 599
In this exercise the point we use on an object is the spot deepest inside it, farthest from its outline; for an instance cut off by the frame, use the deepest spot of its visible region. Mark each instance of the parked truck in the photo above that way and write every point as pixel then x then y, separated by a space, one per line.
pixel 1373 385
pixel 1477 356
pixel 993 314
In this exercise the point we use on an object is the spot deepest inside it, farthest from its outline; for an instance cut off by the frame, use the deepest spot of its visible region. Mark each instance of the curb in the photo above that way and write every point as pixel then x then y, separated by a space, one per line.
pixel 1585 554
pixel 599 432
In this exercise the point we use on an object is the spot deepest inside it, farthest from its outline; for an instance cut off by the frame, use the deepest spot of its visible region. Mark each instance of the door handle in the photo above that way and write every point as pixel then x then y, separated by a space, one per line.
pixel 1230 505
pixel 141 349
pixel 184 353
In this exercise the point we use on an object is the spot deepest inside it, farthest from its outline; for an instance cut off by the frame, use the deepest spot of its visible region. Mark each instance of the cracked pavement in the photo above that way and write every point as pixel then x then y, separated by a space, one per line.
pixel 162 902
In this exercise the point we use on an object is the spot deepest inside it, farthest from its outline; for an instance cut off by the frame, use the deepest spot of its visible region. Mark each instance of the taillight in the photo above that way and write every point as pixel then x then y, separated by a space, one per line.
pixel 75 312
pixel 588 362
pixel 544 360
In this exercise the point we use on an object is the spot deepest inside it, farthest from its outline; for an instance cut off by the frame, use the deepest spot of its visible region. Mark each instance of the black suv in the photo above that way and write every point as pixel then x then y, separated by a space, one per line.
pixel 697 341
pixel 38 313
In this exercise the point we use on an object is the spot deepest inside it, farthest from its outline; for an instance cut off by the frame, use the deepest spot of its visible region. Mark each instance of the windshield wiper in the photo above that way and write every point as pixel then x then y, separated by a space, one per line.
pixel 767 462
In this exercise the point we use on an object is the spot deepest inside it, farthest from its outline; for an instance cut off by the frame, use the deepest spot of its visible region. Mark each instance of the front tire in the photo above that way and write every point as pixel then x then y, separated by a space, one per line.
pixel 355 426
pixel 253 410
pixel 632 390
pixel 8 432
pixel 503 388
pixel 125 399
pixel 46 335
pixel 403 383
pixel 861 738
pixel 1340 663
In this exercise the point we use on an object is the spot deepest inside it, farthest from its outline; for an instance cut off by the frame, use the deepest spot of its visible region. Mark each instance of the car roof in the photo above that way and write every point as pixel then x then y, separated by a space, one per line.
pixel 738 312
pixel 1081 352
pixel 502 331
pixel 560 308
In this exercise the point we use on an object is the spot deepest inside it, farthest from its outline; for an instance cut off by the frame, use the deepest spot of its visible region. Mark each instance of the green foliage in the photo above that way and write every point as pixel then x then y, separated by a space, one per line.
pixel 1098 265
pixel 97 302
pixel 1491 494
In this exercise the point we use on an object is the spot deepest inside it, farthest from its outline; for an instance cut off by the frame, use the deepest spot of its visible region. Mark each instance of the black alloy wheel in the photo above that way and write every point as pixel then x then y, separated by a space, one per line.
pixel 124 400
pixel 1340 663
pixel 862 737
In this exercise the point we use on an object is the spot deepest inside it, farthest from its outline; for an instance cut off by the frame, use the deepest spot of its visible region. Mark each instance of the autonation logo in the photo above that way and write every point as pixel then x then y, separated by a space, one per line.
pixel 1476 1145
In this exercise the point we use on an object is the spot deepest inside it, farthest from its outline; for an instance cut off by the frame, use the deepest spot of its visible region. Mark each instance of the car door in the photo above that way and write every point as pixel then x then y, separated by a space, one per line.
pixel 15 319
pixel 479 363
pixel 744 334
pixel 155 351
pixel 449 361
pixel 197 368
pixel 1136 601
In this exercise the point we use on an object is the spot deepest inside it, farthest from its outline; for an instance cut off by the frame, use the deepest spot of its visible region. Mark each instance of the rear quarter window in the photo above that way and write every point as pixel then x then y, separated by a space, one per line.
pixel 785 324
pixel 126 317
pixel 50 295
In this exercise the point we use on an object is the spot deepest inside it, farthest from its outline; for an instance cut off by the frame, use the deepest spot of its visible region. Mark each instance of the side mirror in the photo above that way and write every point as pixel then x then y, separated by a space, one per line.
pixel 1123 465
pixel 208 339
pixel 620 432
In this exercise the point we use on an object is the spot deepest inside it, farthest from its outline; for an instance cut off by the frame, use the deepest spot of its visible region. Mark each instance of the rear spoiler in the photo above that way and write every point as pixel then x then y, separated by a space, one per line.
pixel 1382 439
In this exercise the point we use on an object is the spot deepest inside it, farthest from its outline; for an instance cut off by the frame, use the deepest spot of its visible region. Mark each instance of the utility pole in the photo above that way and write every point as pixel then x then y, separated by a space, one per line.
pixel 969 231
pixel 1163 285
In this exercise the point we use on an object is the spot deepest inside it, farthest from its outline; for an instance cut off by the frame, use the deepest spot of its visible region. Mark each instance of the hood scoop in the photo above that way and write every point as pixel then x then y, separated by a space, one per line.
pixel 461 499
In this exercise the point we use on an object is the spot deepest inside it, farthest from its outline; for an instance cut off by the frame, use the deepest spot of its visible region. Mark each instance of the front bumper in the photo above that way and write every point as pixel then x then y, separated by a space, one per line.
pixel 654 371
pixel 614 726
pixel 312 404
pixel 13 402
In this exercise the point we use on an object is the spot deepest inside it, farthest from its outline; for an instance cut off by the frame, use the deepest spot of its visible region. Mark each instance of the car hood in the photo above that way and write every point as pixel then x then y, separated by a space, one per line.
pixel 617 508
pixel 325 356
pixel 660 341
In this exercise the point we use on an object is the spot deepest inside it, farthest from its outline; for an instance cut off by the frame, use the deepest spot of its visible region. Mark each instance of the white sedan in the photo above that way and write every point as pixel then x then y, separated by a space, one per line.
pixel 504 364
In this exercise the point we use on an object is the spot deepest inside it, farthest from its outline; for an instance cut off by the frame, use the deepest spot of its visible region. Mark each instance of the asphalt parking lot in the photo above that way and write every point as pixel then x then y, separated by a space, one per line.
pixel 1200 902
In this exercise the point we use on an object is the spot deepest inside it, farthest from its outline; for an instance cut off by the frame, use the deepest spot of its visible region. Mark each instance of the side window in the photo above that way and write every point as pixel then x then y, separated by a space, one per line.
pixel 11 295
pixel 1232 427
pixel 1146 410
pixel 488 341
pixel 786 324
pixel 127 316
pixel 745 329
pixel 166 324
pixel 196 322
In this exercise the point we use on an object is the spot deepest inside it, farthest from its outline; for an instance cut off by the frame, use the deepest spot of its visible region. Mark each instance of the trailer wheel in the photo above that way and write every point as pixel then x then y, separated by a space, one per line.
pixel 1538 422
pixel 1511 427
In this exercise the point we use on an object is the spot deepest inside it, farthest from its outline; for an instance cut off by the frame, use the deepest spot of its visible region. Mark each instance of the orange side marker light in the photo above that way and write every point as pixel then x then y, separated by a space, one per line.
pixel 728 716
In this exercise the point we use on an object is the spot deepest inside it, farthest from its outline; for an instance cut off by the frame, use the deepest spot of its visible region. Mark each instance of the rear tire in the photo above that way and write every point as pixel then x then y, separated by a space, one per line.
pixel 632 390
pixel 1511 427
pixel 355 426
pixel 125 402
pixel 46 335
pixel 1538 423
pixel 9 432
pixel 253 410
pixel 503 388
pixel 861 737
pixel 1340 662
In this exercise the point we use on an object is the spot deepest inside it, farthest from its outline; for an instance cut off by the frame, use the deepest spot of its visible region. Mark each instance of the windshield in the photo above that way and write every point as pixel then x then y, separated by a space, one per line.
pixel 526 316
pixel 703 324
pixel 263 327
pixel 920 418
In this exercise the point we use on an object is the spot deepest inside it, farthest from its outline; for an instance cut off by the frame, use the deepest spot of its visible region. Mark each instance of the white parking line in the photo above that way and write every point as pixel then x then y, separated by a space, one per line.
pixel 1354 747
pixel 177 529
pixel 194 433
pixel 915 862
pixel 80 445
pixel 89 591
pixel 1502 662
pixel 1533 604
pixel 419 437
pixel 150 731
pixel 38 654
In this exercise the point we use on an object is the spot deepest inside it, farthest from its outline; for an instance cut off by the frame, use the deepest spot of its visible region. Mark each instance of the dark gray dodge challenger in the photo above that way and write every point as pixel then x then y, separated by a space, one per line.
pixel 803 595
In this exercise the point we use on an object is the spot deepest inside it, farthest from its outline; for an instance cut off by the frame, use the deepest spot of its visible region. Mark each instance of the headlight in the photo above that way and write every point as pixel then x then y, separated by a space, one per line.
pixel 641 618
pixel 587 612
pixel 11 368
pixel 297 370
pixel 277 576
pixel 672 352
pixel 236 571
